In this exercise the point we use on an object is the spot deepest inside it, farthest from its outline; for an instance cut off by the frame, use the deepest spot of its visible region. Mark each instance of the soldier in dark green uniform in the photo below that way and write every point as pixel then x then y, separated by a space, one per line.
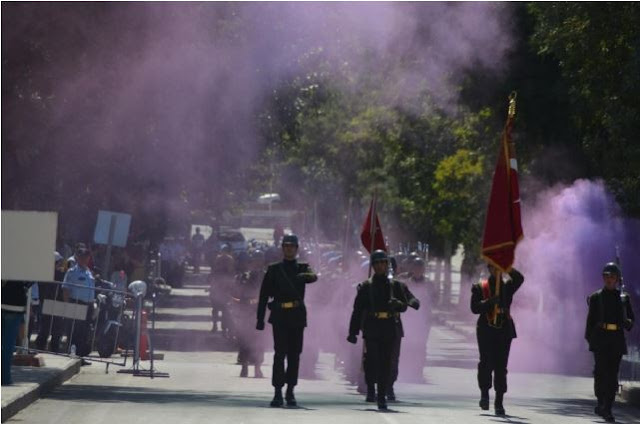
pixel 285 283
pixel 609 313
pixel 414 303
pixel 376 311
pixel 495 331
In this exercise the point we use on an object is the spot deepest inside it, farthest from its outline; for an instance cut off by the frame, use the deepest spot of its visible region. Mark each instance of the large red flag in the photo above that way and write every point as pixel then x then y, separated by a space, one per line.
pixel 503 227
pixel 371 235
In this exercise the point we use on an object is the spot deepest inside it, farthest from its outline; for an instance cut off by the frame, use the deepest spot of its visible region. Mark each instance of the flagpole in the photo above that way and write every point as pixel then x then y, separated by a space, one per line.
pixel 373 229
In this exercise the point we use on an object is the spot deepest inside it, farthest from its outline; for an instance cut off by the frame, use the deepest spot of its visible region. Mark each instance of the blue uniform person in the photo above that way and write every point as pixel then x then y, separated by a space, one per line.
pixel 79 287
pixel 285 283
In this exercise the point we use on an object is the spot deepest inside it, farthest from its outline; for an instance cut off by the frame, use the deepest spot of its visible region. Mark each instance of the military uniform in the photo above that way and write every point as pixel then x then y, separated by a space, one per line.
pixel 414 303
pixel 245 299
pixel 494 331
pixel 221 281
pixel 378 316
pixel 610 313
pixel 414 350
pixel 285 283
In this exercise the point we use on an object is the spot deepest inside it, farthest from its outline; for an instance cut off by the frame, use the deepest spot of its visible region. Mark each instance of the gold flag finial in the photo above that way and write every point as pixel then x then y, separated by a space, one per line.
pixel 512 104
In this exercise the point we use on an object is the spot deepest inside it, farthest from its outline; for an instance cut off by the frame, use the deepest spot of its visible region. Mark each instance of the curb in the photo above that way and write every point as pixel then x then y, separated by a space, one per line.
pixel 631 393
pixel 29 396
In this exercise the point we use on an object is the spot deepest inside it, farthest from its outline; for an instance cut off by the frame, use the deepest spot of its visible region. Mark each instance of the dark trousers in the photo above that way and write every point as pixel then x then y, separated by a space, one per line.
pixel 79 333
pixel 287 345
pixel 49 325
pixel 395 360
pixel 494 346
pixel 377 364
pixel 605 375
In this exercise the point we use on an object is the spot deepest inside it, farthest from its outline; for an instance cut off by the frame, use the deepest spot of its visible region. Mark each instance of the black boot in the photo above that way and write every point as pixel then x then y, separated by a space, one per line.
pixel 391 395
pixel 382 402
pixel 607 414
pixel 484 400
pixel 371 394
pixel 599 409
pixel 277 398
pixel 499 408
pixel 290 398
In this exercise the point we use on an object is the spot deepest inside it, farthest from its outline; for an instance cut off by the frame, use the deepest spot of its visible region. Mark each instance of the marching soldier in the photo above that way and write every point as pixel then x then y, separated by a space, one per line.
pixel 414 351
pixel 609 313
pixel 491 299
pixel 245 299
pixel 221 280
pixel 376 311
pixel 414 303
pixel 285 283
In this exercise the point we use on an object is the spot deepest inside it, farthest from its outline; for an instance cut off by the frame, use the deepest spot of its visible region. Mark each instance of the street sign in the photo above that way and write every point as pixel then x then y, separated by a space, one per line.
pixel 108 222
pixel 28 243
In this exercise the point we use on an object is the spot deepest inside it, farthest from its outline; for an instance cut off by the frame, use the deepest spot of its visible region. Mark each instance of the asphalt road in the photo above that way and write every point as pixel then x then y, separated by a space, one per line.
pixel 204 387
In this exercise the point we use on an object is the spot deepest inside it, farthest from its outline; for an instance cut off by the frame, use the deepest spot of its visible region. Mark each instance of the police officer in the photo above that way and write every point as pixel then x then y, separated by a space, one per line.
pixel 609 313
pixel 51 324
pixel 376 311
pixel 285 283
pixel 491 299
pixel 79 287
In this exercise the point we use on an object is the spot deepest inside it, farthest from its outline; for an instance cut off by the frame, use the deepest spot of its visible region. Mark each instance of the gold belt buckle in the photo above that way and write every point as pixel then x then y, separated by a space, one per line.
pixel 382 315
pixel 610 327
pixel 287 305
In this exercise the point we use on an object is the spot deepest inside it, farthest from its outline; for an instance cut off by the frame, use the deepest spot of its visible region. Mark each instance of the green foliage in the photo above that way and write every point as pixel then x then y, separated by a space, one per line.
pixel 597 46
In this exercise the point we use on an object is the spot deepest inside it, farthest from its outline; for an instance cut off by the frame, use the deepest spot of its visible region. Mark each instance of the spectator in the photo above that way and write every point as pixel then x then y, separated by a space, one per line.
pixel 48 323
pixel 14 306
pixel 79 287
pixel 197 243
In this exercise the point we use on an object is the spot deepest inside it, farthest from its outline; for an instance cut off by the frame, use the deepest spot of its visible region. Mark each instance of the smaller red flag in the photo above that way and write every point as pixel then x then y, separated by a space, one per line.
pixel 371 235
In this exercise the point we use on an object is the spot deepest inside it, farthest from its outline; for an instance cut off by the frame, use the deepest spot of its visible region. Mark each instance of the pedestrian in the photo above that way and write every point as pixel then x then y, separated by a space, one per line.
pixel 285 284
pixel 79 288
pixel 491 299
pixel 376 312
pixel 14 306
pixel 609 314
pixel 197 244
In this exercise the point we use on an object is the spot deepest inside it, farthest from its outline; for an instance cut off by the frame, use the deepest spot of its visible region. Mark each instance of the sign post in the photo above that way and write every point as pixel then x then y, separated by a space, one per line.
pixel 112 229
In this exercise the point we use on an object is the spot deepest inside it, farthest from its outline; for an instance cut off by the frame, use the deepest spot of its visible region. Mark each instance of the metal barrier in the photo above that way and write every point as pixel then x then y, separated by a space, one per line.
pixel 76 321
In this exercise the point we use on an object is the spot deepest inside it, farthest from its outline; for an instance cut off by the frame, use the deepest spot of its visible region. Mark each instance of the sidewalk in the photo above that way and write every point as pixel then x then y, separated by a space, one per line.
pixel 31 383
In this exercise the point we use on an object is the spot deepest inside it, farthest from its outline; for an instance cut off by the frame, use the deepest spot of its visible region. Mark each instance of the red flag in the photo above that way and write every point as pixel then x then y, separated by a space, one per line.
pixel 371 236
pixel 503 227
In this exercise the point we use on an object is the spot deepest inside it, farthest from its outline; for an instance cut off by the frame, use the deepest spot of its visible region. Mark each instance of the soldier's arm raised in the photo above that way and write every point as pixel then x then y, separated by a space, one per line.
pixel 307 275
